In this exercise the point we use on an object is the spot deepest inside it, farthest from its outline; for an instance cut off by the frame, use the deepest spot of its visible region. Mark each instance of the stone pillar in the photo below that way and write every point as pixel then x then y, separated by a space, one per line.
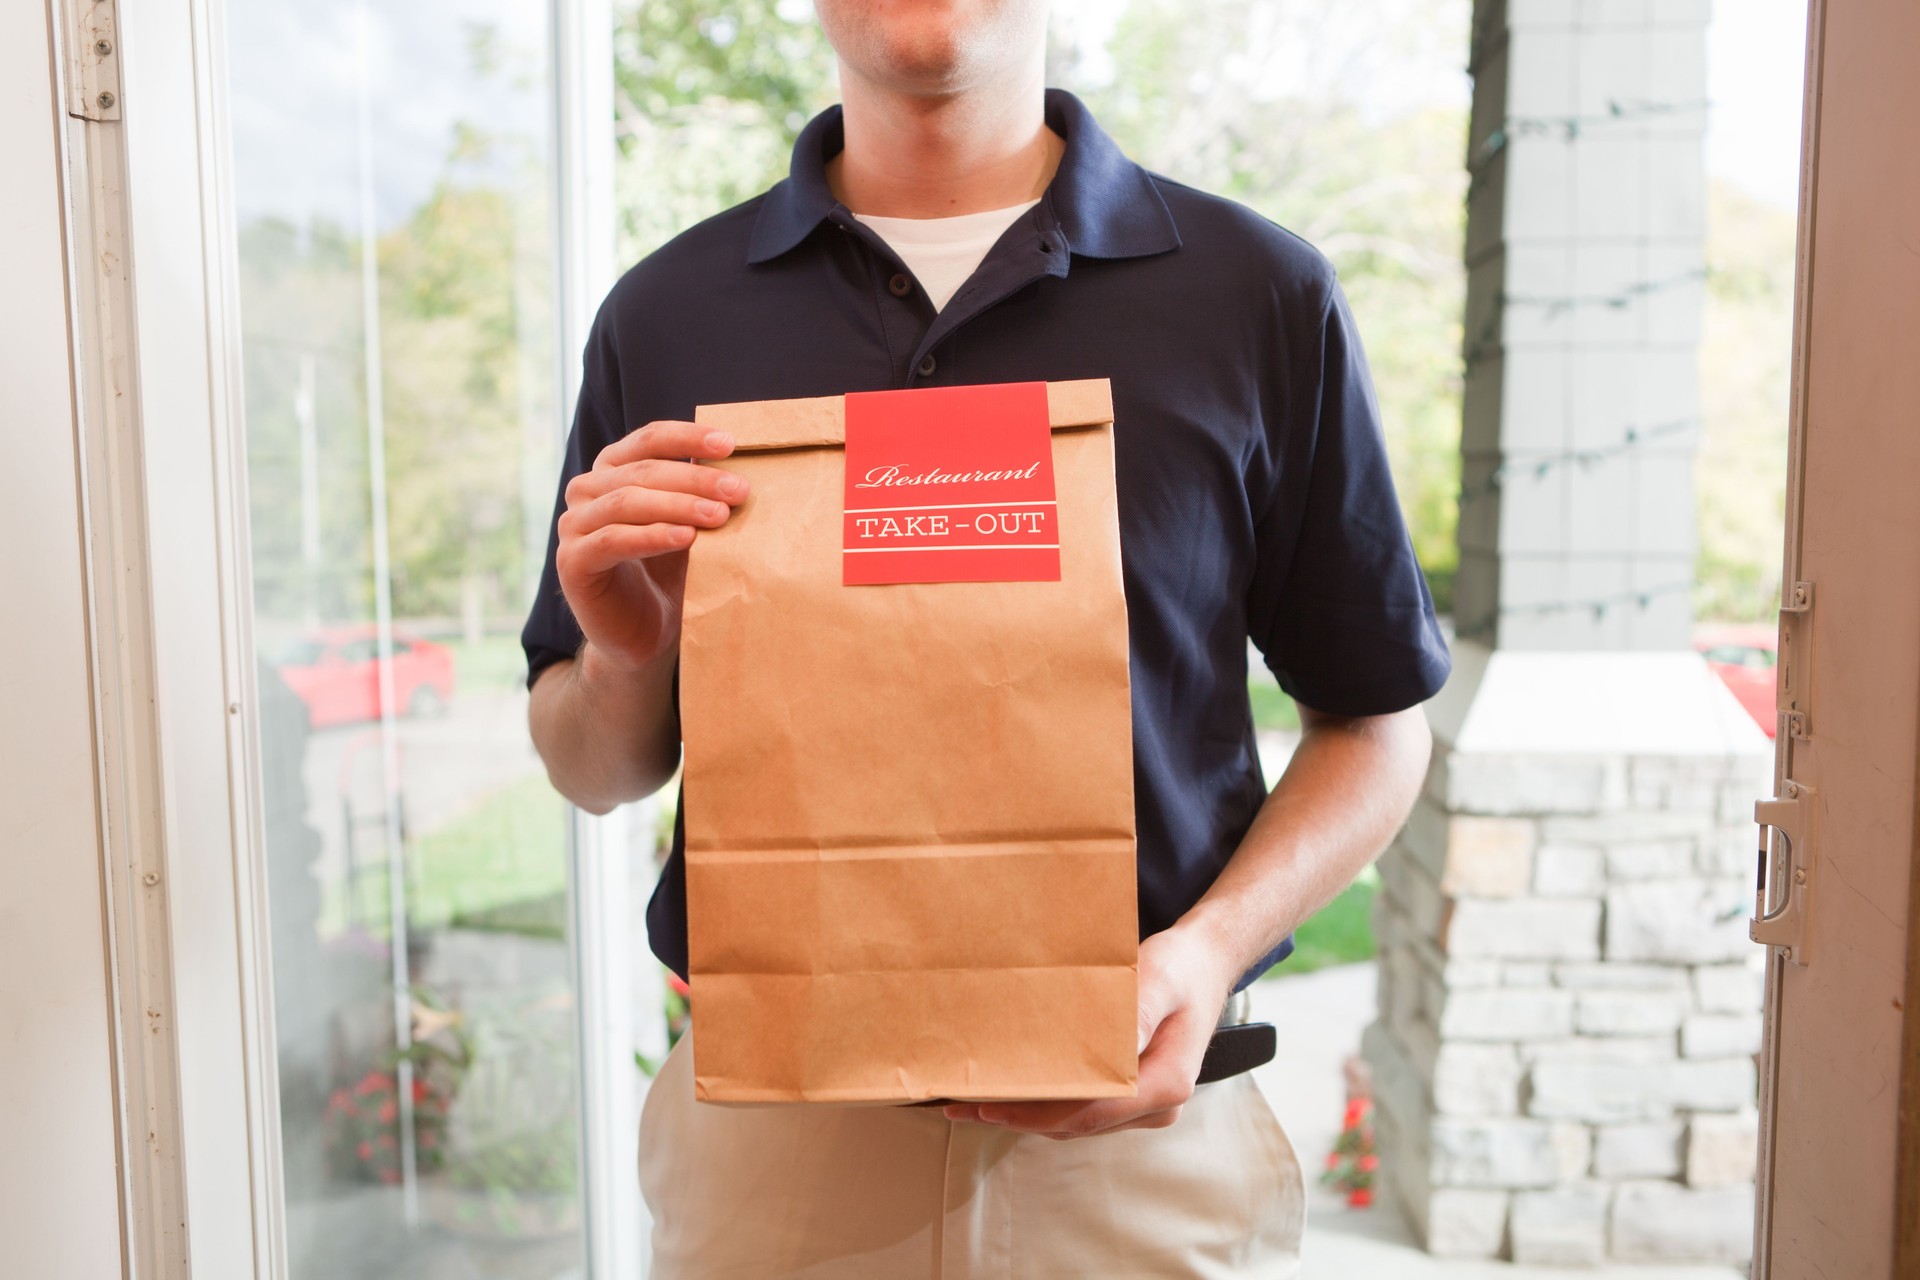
pixel 1569 1006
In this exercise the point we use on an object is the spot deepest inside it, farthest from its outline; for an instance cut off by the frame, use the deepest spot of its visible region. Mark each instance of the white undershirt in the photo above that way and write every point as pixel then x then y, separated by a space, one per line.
pixel 942 252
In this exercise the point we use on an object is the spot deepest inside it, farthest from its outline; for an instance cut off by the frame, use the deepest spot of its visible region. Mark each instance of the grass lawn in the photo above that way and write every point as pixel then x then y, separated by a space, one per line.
pixel 1339 933
pixel 495 662
pixel 508 851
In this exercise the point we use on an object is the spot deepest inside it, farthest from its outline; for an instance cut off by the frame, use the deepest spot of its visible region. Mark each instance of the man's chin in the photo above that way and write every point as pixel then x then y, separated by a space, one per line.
pixel 923 61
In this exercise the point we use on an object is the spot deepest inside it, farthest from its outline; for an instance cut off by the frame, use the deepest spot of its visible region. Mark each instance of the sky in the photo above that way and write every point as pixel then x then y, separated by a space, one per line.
pixel 1756 54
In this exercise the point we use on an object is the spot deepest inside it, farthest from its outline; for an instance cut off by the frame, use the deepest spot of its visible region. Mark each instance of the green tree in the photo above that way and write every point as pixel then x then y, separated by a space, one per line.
pixel 709 98
pixel 1746 353
pixel 467 393
pixel 300 308
pixel 1275 103
pixel 466 336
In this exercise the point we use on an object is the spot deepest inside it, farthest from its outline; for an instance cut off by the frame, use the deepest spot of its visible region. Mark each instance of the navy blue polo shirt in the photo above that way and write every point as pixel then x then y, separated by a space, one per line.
pixel 1253 490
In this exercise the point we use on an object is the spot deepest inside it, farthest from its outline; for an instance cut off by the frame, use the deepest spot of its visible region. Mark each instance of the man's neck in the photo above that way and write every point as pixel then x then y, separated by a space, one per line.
pixel 907 156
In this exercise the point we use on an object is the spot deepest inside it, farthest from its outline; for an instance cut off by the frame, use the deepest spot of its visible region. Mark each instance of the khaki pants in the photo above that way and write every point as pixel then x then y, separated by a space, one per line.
pixel 901 1193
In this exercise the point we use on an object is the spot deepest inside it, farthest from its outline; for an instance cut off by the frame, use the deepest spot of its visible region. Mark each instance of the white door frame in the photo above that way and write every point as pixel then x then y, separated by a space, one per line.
pixel 163 484
pixel 1838 992
pixel 66 1176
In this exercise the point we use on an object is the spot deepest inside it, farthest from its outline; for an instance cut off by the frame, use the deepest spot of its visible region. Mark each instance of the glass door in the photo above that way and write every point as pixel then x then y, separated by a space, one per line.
pixel 394 180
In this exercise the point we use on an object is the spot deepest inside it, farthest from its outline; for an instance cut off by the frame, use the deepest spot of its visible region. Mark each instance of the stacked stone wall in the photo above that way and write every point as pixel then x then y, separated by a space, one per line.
pixel 1564 1059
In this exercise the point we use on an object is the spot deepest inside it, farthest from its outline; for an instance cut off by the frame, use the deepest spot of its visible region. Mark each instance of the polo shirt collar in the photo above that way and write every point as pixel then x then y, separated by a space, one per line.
pixel 1103 204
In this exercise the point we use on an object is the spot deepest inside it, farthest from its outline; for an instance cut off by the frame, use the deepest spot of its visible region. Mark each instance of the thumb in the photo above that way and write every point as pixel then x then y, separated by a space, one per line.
pixel 1157 1002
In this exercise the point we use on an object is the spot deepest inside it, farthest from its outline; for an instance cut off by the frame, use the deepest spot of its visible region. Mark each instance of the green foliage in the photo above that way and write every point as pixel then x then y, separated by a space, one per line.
pixel 510 847
pixel 1381 196
pixel 709 100
pixel 501 865
pixel 300 310
pixel 465 333
pixel 467 395
pixel 1745 370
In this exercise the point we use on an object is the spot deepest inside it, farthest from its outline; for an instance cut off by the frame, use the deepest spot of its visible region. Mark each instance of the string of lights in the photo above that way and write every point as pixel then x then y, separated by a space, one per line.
pixel 1600 606
pixel 1490 40
pixel 1544 465
pixel 1557 305
pixel 1570 127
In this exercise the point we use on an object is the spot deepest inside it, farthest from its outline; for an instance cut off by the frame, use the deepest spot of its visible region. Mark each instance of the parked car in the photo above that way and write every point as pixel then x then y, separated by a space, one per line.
pixel 1743 655
pixel 335 671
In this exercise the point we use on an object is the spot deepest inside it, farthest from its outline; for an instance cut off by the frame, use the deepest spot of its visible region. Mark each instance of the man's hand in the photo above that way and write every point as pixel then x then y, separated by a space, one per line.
pixel 1346 791
pixel 1184 984
pixel 604 720
pixel 622 554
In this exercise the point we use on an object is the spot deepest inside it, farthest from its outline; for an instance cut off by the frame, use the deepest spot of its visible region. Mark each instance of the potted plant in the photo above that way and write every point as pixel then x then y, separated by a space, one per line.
pixel 361 1125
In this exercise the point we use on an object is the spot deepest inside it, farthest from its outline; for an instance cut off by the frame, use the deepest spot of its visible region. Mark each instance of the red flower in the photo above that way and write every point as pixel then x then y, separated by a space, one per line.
pixel 678 983
pixel 1367 1163
pixel 364 1150
pixel 389 1176
pixel 388 1110
pixel 419 1089
pixel 1360 1197
pixel 373 1082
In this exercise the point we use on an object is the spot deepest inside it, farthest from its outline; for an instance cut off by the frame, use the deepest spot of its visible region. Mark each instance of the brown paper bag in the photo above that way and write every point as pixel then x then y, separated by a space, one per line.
pixel 909 808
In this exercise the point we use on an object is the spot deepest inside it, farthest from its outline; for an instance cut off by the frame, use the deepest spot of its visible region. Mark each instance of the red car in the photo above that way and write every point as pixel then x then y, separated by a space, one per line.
pixel 1743 655
pixel 336 673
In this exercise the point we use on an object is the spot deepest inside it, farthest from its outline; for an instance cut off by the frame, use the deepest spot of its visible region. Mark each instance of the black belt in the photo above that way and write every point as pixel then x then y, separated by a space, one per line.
pixel 1237 1045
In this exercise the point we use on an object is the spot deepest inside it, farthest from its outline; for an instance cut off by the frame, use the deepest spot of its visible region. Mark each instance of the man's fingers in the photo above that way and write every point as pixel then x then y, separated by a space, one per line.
pixel 614 544
pixel 666 474
pixel 665 440
pixel 632 506
pixel 1167 1072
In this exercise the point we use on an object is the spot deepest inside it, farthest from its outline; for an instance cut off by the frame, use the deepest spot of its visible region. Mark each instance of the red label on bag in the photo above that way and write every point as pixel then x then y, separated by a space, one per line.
pixel 950 484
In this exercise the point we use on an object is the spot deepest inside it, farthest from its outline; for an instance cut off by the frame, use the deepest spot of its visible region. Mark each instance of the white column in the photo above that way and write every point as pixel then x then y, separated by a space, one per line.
pixel 1568 1000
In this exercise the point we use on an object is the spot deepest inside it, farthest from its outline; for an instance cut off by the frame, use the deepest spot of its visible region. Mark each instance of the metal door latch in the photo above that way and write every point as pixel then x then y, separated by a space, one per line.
pixel 1791 814
pixel 1794 695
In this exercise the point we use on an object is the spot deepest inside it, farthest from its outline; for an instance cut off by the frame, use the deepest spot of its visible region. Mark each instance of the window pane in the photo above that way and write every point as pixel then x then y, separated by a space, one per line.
pixel 392 178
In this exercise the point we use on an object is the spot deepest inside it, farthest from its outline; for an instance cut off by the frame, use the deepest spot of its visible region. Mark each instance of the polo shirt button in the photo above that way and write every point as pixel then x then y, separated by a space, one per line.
pixel 927 367
pixel 901 285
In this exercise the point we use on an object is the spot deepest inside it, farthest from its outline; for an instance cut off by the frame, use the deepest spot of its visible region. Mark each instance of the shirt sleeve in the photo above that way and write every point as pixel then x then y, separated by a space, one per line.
pixel 551 633
pixel 1339 606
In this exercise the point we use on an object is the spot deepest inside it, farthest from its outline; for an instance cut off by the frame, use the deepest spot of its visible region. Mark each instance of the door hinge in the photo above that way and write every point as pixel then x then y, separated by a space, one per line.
pixel 93 59
pixel 1794 688
pixel 1791 813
